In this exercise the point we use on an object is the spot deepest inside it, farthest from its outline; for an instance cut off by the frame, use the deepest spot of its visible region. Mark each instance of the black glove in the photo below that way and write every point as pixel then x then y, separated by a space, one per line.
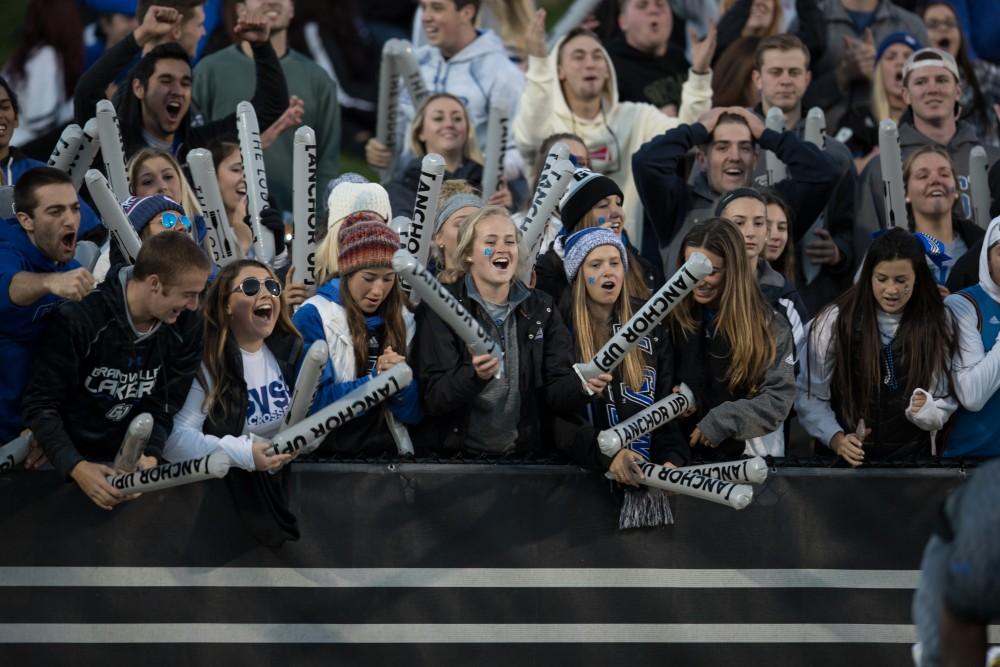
pixel 271 219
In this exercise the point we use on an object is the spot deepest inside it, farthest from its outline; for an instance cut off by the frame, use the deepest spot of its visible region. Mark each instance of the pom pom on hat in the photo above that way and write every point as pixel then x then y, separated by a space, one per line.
pixel 140 210
pixel 365 244
pixel 578 245
pixel 585 190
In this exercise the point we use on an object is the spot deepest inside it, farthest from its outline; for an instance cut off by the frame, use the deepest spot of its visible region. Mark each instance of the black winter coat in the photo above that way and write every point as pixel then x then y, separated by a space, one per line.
pixel 547 381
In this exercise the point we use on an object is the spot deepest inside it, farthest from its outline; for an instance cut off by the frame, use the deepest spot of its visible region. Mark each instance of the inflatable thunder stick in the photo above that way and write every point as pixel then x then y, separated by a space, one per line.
pixel 497 129
pixel 892 174
pixel 220 238
pixel 309 433
pixel 307 382
pixel 775 168
pixel 421 232
pixel 134 442
pixel 752 470
pixel 406 65
pixel 14 452
pixel 169 475
pixel 688 483
pixel 66 148
pixel 112 149
pixel 252 154
pixel 551 186
pixel 446 306
pixel 815 127
pixel 113 216
pixel 304 207
pixel 90 143
pixel 652 313
pixel 979 188
pixel 387 114
pixel 665 410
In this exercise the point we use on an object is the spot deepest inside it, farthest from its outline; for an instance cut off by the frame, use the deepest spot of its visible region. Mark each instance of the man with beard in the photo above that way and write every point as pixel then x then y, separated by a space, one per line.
pixel 154 105
pixel 37 271
pixel 727 139
pixel 223 79
pixel 131 346
pixel 931 91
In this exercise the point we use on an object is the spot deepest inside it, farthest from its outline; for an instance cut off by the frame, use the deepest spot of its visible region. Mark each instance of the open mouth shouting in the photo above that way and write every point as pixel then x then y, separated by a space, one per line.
pixel 264 313
pixel 502 263
pixel 174 109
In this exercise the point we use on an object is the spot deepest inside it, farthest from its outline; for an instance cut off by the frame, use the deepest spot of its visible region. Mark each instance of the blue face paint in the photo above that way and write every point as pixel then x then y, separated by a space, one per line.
pixel 488 252
pixel 591 280
pixel 600 222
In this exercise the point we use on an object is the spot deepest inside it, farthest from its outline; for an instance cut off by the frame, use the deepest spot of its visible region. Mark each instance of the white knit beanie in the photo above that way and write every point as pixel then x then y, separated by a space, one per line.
pixel 347 198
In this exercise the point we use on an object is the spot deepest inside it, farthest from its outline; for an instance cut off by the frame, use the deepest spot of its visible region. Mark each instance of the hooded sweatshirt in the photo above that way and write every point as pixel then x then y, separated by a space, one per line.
pixel 478 74
pixel 20 326
pixel 871 200
pixel 976 367
pixel 613 136
pixel 98 372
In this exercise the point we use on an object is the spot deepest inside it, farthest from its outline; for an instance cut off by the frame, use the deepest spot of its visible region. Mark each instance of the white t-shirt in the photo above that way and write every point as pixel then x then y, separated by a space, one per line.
pixel 268 398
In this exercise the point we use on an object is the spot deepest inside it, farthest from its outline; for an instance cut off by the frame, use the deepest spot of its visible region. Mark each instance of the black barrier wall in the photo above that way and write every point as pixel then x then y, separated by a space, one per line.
pixel 444 564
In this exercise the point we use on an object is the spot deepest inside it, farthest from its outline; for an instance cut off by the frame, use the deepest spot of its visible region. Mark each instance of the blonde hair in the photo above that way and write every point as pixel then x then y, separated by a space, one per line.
pixel 467 239
pixel 513 18
pixel 470 150
pixel 777 17
pixel 188 200
pixel 590 335
pixel 743 319
pixel 880 106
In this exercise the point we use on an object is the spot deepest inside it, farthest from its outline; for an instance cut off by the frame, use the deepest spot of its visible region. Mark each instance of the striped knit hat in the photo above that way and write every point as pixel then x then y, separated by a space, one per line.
pixel 579 244
pixel 140 210
pixel 365 244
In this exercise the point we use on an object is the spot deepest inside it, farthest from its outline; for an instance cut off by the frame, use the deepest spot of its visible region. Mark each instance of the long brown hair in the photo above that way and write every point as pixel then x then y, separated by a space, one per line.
pixel 785 263
pixel 591 334
pixel 743 319
pixel 391 311
pixel 216 375
pixel 927 335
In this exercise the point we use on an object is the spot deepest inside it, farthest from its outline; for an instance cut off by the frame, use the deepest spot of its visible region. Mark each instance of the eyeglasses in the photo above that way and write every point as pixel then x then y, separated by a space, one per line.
pixel 250 286
pixel 170 219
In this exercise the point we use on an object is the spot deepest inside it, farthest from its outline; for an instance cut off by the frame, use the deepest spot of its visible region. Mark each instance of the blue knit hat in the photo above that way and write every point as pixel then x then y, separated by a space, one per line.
pixel 140 210
pixel 579 244
pixel 904 38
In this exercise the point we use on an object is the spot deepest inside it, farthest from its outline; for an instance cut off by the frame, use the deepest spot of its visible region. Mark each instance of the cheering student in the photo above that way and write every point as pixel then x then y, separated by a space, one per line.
pixel 733 351
pixel 477 403
pixel 361 314
pixel 931 198
pixel 154 172
pixel 130 346
pixel 441 126
pixel 241 394
pixel 977 362
pixel 780 250
pixel 886 363
pixel 457 202
pixel 593 200
pixel 599 302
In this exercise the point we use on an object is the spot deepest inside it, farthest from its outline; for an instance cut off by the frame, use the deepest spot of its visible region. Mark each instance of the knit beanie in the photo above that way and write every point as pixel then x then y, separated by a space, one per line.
pixel 365 244
pixel 904 38
pixel 579 244
pixel 351 193
pixel 455 203
pixel 586 189
pixel 739 193
pixel 140 210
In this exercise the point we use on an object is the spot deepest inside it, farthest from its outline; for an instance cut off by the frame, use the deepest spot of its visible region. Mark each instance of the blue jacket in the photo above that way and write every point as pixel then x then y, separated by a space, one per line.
pixel 333 385
pixel 18 163
pixel 20 326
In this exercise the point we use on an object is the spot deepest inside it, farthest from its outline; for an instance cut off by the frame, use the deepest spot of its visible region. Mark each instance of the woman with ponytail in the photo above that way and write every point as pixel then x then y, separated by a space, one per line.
pixel 875 377
pixel 733 350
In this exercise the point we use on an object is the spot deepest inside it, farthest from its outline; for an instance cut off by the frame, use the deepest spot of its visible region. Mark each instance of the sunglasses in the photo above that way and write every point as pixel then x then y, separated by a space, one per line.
pixel 250 286
pixel 170 219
